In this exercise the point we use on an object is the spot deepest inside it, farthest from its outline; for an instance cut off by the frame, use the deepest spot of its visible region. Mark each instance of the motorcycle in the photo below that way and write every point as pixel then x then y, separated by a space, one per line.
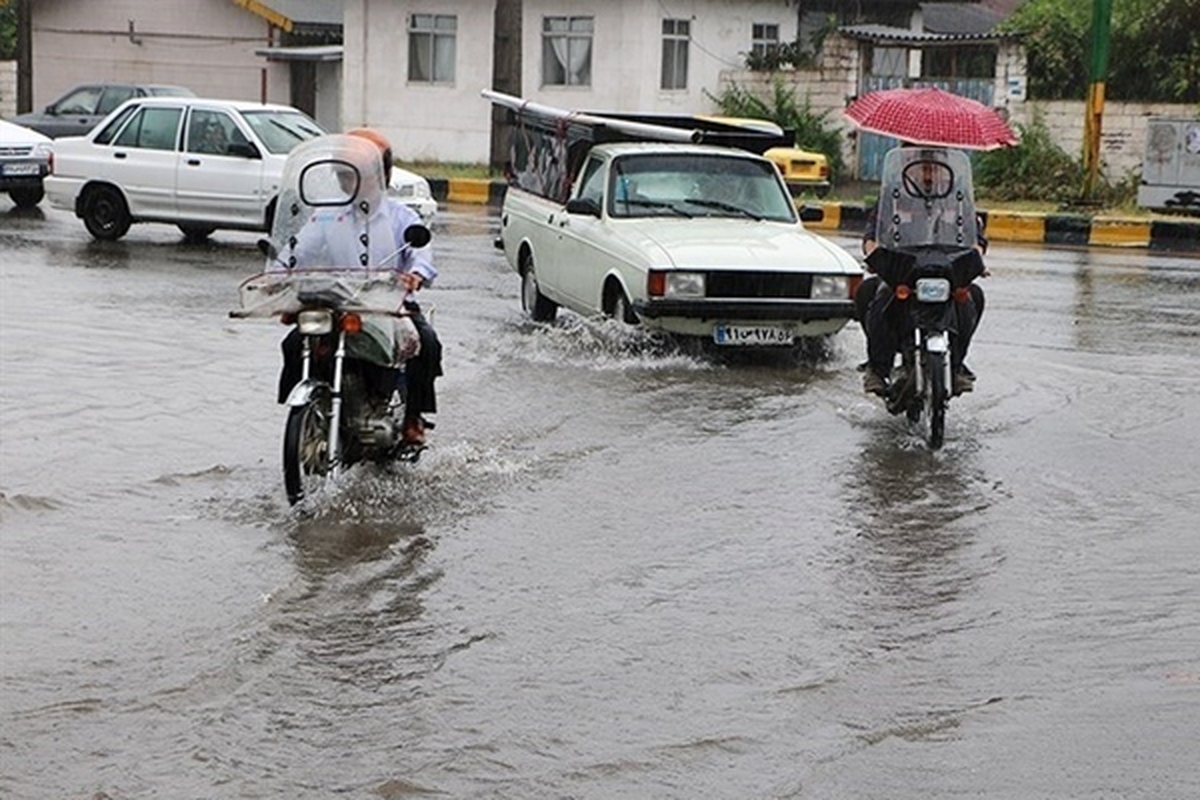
pixel 332 276
pixel 926 229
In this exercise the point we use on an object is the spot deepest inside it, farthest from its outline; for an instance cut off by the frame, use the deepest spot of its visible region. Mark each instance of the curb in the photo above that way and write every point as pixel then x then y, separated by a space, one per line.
pixel 1077 230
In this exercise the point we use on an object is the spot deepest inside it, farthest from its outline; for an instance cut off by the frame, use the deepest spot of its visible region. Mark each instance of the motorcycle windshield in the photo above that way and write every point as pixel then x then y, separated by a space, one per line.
pixel 329 214
pixel 926 199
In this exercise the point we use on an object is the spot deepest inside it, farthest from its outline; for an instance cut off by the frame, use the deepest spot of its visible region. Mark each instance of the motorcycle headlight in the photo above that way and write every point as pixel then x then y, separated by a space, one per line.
pixel 314 322
pixel 933 290
pixel 830 287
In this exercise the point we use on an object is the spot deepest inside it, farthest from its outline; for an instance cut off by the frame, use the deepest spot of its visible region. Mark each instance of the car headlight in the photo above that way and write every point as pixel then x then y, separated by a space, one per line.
pixel 422 190
pixel 830 287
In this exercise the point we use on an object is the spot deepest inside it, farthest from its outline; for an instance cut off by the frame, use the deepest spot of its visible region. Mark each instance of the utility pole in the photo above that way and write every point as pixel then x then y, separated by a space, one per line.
pixel 506 73
pixel 24 57
pixel 1101 27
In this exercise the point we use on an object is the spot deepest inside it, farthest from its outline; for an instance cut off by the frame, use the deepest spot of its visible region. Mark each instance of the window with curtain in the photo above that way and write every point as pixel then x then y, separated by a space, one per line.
pixel 764 39
pixel 431 46
pixel 567 51
pixel 676 33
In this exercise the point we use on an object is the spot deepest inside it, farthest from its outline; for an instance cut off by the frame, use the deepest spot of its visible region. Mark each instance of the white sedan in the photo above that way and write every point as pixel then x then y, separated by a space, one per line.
pixel 24 162
pixel 198 163
pixel 413 190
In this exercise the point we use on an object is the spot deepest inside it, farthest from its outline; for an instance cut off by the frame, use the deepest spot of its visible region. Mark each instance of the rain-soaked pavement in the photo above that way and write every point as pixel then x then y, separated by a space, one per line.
pixel 622 571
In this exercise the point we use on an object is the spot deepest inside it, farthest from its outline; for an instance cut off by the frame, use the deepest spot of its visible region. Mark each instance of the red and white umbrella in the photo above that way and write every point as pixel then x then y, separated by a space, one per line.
pixel 933 117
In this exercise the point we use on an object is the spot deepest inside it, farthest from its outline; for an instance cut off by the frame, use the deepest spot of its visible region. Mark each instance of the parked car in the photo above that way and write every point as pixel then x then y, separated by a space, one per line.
pixel 24 161
pixel 803 170
pixel 78 111
pixel 413 190
pixel 198 163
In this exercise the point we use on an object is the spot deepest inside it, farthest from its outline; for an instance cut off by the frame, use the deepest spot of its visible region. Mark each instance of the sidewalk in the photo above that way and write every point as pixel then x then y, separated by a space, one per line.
pixel 1176 234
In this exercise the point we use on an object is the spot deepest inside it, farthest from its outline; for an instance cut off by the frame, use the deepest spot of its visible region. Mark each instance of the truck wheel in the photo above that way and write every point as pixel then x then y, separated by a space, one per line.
pixel 539 307
pixel 28 197
pixel 105 214
pixel 620 309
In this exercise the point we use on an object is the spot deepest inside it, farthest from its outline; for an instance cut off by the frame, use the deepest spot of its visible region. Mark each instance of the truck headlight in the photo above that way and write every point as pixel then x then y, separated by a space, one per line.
pixel 673 284
pixel 830 287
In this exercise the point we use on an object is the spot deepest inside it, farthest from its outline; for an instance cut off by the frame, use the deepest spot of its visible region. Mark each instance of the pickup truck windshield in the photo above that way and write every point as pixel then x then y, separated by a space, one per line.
pixel 697 185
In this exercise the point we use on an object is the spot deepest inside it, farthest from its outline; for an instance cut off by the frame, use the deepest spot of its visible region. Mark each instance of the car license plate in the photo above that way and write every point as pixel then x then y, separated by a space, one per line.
pixel 752 335
pixel 20 169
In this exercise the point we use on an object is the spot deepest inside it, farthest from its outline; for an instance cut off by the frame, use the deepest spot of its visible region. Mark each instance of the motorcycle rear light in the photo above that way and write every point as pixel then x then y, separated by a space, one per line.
pixel 351 323
pixel 314 322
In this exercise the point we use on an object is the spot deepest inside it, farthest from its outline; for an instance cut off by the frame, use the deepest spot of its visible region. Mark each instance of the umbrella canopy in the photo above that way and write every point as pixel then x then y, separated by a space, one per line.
pixel 933 117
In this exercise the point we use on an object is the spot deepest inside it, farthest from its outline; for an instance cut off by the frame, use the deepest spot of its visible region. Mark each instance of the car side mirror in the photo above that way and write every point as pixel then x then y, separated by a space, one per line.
pixel 243 149
pixel 583 205
pixel 812 213
pixel 52 110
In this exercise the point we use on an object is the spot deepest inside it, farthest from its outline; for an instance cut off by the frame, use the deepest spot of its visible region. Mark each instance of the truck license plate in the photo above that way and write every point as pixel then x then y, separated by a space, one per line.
pixel 751 335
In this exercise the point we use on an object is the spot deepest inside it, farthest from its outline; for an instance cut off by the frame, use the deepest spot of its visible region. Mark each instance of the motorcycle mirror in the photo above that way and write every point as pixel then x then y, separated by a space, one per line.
pixel 417 235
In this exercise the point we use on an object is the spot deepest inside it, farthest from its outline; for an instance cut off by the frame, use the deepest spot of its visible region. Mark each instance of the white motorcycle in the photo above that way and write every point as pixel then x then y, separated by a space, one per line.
pixel 328 278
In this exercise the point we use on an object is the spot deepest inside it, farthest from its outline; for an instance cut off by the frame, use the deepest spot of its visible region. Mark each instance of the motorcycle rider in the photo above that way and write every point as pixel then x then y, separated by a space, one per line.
pixel 340 244
pixel 883 322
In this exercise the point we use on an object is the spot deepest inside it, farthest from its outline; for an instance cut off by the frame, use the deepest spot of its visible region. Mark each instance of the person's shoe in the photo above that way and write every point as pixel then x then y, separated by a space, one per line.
pixel 873 383
pixel 413 432
pixel 963 381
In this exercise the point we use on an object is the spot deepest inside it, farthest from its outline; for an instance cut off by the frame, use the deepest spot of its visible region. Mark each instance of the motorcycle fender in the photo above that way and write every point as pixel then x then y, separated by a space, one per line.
pixel 305 391
pixel 937 343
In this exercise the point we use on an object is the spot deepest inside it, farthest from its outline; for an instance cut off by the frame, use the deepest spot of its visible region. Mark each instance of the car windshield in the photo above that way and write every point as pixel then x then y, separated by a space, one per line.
pixel 698 184
pixel 280 131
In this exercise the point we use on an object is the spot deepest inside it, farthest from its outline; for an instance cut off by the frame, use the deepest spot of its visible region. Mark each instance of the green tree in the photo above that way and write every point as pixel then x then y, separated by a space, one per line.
pixel 1154 49
pixel 8 30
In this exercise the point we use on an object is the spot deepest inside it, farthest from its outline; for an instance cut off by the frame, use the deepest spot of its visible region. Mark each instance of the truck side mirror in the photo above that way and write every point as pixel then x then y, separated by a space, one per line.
pixel 243 149
pixel 812 213
pixel 583 205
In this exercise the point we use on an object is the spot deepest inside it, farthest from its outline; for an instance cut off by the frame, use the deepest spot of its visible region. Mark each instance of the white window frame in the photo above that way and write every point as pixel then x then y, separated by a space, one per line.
pixel 432 48
pixel 764 38
pixel 567 50
pixel 676 33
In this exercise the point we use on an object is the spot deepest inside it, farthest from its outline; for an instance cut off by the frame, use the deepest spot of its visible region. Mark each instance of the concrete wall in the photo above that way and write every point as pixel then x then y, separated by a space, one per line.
pixel 831 87
pixel 8 89
pixel 453 123
pixel 205 45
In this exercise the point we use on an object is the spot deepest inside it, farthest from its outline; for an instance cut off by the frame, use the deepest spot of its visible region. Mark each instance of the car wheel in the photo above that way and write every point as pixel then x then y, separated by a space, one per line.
pixel 27 198
pixel 536 304
pixel 196 233
pixel 105 214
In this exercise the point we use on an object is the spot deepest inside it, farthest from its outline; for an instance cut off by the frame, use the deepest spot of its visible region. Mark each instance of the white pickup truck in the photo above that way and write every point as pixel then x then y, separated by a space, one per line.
pixel 690 239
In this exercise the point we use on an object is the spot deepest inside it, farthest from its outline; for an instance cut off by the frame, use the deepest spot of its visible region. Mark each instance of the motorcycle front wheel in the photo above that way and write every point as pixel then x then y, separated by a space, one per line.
pixel 937 395
pixel 306 456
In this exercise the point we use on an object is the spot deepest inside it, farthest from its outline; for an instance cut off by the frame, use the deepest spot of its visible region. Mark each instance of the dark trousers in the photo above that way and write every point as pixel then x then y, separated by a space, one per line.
pixel 885 322
pixel 420 371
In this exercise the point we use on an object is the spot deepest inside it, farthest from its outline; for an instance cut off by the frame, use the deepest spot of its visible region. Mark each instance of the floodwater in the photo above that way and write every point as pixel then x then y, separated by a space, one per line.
pixel 622 570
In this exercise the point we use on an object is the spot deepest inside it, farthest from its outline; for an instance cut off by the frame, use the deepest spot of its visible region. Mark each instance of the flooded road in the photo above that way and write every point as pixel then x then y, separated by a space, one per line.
pixel 622 571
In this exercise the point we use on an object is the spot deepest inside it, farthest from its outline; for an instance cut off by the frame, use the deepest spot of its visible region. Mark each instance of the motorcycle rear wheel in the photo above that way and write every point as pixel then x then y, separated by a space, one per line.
pixel 306 457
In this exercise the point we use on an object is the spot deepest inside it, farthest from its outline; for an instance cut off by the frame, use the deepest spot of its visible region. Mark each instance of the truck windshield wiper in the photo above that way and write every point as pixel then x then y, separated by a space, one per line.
pixel 674 209
pixel 730 207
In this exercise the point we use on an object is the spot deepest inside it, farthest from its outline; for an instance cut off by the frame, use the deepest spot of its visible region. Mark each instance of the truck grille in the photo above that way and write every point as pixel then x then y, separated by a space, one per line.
pixel 758 285
pixel 15 151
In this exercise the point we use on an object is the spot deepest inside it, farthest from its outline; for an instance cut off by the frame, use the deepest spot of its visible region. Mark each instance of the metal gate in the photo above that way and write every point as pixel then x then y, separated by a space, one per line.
pixel 872 147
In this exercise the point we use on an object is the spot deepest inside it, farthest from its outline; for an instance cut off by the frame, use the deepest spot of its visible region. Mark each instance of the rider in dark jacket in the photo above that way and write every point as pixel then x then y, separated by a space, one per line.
pixel 883 322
